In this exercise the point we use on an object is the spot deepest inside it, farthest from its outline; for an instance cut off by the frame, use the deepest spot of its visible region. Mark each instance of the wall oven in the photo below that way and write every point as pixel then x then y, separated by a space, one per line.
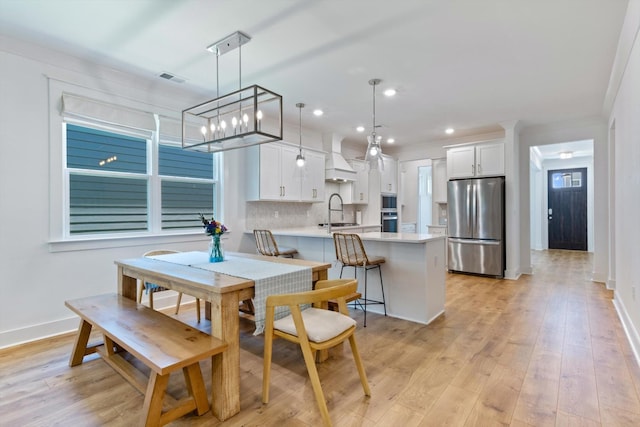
pixel 389 221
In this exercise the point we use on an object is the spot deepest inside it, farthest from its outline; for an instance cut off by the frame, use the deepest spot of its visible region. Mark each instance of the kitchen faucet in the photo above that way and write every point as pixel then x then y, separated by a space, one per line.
pixel 329 211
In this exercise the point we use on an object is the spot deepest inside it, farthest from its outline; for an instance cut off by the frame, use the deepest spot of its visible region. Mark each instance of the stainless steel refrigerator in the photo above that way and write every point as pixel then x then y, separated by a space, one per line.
pixel 476 226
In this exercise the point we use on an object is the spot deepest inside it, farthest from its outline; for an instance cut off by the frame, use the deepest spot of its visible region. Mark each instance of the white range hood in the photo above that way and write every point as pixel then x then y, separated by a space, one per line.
pixel 336 167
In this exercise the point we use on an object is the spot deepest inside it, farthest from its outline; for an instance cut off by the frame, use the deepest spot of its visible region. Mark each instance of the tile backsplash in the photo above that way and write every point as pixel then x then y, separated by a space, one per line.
pixel 275 215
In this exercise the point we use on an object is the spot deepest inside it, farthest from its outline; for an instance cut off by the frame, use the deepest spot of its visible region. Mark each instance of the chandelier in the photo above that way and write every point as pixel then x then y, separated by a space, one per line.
pixel 374 149
pixel 243 118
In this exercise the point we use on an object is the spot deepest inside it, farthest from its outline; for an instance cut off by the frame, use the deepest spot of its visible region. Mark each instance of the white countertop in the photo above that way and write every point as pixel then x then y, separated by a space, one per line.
pixel 372 235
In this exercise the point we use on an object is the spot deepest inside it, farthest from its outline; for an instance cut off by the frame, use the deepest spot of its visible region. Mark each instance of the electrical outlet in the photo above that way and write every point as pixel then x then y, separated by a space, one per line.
pixel 275 214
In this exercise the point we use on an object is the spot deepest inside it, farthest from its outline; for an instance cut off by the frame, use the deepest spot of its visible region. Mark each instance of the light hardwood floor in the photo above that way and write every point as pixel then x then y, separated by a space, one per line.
pixel 546 350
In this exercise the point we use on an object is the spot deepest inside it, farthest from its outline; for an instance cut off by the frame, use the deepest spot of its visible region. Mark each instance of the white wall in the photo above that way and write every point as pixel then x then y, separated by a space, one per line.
pixel 625 114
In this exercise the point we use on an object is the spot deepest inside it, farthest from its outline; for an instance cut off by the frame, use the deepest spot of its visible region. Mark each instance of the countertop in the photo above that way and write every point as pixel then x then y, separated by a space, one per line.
pixel 371 236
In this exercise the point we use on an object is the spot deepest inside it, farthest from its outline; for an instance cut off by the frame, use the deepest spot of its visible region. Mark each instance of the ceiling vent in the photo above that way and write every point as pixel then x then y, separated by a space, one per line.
pixel 172 77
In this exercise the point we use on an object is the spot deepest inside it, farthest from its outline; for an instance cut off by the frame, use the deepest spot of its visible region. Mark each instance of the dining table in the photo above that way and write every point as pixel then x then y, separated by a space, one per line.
pixel 223 294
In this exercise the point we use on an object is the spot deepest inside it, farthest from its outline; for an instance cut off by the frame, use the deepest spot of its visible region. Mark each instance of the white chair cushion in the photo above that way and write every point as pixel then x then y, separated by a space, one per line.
pixel 320 324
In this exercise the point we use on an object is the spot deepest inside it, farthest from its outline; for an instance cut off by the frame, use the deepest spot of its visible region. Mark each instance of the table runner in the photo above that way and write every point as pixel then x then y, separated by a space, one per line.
pixel 269 277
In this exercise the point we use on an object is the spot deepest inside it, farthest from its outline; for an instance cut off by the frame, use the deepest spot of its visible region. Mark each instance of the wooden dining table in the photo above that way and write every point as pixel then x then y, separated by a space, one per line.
pixel 223 294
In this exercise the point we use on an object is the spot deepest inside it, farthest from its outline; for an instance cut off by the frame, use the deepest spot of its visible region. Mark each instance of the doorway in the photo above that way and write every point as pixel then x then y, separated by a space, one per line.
pixel 567 208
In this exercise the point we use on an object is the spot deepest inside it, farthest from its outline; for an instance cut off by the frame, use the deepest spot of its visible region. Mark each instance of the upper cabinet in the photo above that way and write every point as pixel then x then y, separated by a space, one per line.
pixel 313 177
pixel 273 174
pixel 439 180
pixel 476 160
pixel 389 176
pixel 356 192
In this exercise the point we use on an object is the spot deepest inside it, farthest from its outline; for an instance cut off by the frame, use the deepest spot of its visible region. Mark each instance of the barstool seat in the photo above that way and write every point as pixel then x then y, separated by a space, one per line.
pixel 350 252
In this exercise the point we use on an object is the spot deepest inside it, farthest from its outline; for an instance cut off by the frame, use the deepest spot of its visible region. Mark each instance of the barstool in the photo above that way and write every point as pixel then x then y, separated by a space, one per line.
pixel 350 252
pixel 266 245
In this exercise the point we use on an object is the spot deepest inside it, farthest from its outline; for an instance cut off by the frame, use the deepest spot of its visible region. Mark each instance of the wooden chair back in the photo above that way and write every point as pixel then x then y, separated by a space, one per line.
pixel 265 243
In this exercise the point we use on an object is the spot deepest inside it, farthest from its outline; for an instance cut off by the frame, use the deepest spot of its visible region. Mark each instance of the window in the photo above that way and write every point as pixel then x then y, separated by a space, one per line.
pixel 121 183
pixel 567 179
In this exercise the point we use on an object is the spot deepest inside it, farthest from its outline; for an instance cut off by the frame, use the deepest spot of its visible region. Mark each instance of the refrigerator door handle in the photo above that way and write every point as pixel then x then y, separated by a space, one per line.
pixel 475 242
pixel 474 210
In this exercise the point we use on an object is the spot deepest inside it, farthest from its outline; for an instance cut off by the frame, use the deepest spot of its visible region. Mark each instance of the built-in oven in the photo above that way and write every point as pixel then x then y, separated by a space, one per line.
pixel 389 221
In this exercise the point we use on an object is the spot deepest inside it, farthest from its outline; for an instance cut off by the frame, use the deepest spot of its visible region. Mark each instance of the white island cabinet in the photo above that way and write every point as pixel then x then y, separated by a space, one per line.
pixel 413 274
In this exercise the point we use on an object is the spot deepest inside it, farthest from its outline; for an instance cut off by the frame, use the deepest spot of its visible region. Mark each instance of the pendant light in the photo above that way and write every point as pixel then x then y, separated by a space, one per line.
pixel 300 158
pixel 248 116
pixel 374 149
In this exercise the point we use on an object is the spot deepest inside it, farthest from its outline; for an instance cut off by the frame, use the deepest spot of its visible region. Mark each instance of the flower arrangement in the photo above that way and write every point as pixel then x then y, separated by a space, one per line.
pixel 212 227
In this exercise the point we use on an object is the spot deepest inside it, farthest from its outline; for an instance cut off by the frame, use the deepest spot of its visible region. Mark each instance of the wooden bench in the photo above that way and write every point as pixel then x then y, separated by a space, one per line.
pixel 160 342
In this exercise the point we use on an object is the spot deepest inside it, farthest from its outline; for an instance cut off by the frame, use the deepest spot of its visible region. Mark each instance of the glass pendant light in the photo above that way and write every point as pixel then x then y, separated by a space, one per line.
pixel 300 158
pixel 374 149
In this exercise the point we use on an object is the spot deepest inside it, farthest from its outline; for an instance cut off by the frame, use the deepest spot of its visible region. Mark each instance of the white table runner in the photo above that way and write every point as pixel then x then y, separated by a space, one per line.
pixel 269 277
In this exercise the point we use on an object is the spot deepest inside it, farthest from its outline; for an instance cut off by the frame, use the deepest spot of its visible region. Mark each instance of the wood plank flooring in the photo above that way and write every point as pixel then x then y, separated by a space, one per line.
pixel 546 350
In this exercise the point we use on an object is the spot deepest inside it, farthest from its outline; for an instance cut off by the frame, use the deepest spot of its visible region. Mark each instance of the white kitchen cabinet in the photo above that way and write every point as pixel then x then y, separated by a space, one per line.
pixel 356 192
pixel 272 174
pixel 476 160
pixel 490 159
pixel 313 179
pixel 389 176
pixel 439 181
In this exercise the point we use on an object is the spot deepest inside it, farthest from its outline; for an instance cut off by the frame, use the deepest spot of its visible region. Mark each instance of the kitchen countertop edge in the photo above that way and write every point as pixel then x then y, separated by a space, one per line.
pixel 371 235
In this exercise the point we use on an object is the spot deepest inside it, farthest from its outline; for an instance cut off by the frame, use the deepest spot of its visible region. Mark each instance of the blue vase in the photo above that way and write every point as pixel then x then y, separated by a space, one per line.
pixel 215 250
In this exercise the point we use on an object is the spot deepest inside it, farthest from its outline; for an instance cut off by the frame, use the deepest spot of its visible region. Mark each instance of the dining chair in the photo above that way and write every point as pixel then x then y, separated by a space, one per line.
pixel 313 328
pixel 152 288
pixel 266 245
pixel 351 253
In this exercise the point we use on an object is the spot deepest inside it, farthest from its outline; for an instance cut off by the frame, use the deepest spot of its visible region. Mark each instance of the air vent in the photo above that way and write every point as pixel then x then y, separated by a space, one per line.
pixel 172 77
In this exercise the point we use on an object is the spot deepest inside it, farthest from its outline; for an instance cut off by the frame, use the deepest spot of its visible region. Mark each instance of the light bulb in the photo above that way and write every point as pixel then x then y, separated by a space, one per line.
pixel 374 150
pixel 300 160
pixel 212 126
pixel 203 130
pixel 245 118
pixel 234 121
pixel 259 115
pixel 223 125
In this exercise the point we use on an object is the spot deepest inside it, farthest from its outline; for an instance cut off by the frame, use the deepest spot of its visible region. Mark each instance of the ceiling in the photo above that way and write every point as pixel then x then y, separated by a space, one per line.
pixel 465 64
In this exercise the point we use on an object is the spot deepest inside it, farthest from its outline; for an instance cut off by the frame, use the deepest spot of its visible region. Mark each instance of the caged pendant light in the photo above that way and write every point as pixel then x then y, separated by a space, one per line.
pixel 300 158
pixel 374 148
pixel 246 117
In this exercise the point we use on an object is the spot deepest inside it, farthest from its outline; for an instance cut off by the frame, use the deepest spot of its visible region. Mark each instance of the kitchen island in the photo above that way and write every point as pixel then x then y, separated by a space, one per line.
pixel 413 273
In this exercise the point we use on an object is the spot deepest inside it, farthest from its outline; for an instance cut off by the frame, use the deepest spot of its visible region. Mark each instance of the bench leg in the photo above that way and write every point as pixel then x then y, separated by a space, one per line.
pixel 153 398
pixel 80 346
pixel 196 387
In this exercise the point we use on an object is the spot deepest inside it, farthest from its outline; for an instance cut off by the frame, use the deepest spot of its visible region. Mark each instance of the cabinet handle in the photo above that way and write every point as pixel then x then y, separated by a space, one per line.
pixel 473 169
pixel 479 169
pixel 284 191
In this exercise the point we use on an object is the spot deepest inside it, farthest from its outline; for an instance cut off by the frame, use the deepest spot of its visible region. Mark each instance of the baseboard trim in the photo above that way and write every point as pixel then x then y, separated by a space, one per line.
pixel 40 331
pixel 630 331
pixel 611 284
pixel 37 332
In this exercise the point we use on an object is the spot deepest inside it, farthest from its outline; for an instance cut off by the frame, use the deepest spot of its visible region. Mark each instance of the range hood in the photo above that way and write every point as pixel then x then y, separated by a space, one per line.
pixel 336 167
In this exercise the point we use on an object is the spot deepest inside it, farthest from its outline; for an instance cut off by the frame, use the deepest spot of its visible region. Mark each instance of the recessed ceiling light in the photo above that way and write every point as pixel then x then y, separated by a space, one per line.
pixel 389 92
pixel 566 155
pixel 390 140
pixel 360 128
pixel 318 112
pixel 449 131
